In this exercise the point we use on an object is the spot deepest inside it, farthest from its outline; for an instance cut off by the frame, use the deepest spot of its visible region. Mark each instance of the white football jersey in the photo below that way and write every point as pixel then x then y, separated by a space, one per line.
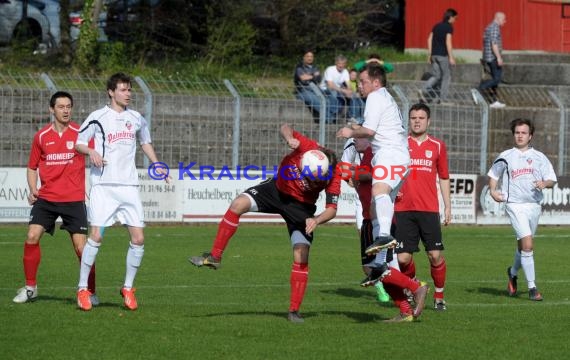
pixel 349 154
pixel 115 136
pixel 517 171
pixel 382 115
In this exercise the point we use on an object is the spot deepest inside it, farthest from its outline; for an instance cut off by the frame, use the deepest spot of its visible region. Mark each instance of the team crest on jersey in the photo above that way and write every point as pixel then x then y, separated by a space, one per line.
pixel 529 161
pixel 429 154
pixel 69 145
pixel 129 125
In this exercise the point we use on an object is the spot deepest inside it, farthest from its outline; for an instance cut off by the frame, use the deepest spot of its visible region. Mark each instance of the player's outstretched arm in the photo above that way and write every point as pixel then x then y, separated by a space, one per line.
pixel 287 135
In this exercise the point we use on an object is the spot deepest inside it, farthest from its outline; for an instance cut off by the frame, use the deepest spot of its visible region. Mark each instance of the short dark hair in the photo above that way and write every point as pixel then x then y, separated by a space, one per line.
pixel 57 95
pixel 449 13
pixel 116 79
pixel 376 71
pixel 519 122
pixel 420 106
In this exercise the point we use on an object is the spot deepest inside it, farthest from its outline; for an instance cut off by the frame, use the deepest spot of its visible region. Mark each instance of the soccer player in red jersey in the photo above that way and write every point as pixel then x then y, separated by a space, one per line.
pixel 61 194
pixel 293 196
pixel 417 204
pixel 382 269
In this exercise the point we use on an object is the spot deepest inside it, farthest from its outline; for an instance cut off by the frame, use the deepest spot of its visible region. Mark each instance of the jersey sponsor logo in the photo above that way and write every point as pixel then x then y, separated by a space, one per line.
pixel 519 172
pixel 59 156
pixel 69 145
pixel 120 135
pixel 429 154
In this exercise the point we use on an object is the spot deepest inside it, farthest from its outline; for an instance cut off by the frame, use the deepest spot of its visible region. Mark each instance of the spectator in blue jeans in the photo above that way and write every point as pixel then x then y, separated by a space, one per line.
pixel 305 74
pixel 440 56
pixel 336 87
pixel 492 49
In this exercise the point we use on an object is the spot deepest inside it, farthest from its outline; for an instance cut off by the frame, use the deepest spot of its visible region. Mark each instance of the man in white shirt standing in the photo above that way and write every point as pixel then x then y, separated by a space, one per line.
pixel 517 178
pixel 114 182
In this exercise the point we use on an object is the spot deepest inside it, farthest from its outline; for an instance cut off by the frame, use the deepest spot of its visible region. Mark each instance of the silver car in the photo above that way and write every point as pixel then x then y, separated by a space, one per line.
pixel 11 22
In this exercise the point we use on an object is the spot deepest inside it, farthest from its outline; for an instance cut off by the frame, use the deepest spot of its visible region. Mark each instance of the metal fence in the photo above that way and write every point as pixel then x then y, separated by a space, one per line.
pixel 228 122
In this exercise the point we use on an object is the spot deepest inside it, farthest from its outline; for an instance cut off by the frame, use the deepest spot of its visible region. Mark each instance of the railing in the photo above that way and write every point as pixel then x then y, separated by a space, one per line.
pixel 222 122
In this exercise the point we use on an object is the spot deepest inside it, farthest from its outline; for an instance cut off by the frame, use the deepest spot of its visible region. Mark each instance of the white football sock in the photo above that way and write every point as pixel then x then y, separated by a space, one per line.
pixel 516 263
pixel 527 263
pixel 88 256
pixel 384 213
pixel 134 259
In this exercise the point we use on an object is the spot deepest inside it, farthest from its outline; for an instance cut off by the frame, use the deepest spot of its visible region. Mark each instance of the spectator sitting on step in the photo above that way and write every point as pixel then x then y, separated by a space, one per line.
pixel 336 87
pixel 305 74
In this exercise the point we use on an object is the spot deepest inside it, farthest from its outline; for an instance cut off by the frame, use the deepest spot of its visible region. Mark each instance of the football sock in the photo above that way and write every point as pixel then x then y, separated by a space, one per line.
pixel 400 280
pixel 516 263
pixel 134 258
pixel 90 251
pixel 31 260
pixel 400 299
pixel 226 229
pixel 438 274
pixel 91 279
pixel 394 262
pixel 384 212
pixel 409 269
pixel 381 257
pixel 527 263
pixel 299 278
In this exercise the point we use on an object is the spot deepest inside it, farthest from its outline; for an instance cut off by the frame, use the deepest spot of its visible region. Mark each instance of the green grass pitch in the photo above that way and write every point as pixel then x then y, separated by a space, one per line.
pixel 239 311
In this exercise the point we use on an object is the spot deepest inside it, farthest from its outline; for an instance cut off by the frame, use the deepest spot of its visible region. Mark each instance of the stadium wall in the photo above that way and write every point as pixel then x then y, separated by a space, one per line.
pixel 197 198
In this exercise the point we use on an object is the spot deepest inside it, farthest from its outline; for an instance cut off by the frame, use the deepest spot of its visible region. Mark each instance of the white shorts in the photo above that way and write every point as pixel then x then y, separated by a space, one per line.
pixel 111 203
pixel 524 218
pixel 358 212
pixel 390 169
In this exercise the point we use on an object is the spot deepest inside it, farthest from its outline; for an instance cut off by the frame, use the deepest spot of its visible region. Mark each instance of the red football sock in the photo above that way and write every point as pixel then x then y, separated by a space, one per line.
pixel 438 274
pixel 226 229
pixel 400 299
pixel 409 270
pixel 31 259
pixel 400 280
pixel 299 278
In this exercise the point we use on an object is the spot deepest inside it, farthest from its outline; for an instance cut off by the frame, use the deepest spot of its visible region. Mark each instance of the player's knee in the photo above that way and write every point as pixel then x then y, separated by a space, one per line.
pixel 240 205
pixel 404 258
pixel 435 258
pixel 137 239
pixel 33 237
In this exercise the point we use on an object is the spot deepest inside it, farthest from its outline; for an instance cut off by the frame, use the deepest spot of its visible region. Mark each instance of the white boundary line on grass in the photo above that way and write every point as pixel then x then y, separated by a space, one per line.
pixel 230 286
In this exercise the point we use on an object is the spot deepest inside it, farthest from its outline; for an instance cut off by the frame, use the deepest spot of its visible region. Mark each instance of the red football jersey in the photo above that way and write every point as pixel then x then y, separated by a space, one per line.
pixel 291 182
pixel 428 161
pixel 61 169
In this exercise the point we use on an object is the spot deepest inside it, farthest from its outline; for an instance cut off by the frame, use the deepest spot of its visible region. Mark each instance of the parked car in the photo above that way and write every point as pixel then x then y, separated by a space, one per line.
pixel 76 21
pixel 170 23
pixel 12 25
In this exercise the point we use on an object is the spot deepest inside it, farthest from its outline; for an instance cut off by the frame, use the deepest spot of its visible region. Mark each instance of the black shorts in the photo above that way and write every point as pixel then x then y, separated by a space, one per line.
pixel 73 215
pixel 366 239
pixel 271 201
pixel 413 226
